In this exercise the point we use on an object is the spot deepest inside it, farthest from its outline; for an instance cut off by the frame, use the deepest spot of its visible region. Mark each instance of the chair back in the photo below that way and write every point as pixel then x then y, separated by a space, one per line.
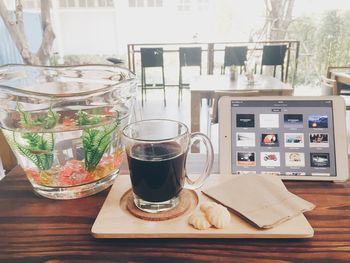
pixel 235 56
pixel 151 57
pixel 190 56
pixel 273 55
pixel 235 93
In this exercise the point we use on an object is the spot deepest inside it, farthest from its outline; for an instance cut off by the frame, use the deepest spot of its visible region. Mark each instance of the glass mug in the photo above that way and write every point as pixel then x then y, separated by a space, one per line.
pixel 157 150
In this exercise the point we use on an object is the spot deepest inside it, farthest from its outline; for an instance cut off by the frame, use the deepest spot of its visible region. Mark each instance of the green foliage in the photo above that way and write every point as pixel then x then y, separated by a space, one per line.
pixel 47 122
pixel 39 148
pixel 51 120
pixel 96 142
pixel 26 118
pixel 328 39
pixel 324 42
pixel 83 118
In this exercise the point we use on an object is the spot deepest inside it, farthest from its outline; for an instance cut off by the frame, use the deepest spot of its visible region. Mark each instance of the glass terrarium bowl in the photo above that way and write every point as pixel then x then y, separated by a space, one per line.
pixel 63 124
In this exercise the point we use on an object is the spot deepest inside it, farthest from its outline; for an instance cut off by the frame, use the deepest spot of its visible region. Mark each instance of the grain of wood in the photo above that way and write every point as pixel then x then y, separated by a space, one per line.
pixel 36 229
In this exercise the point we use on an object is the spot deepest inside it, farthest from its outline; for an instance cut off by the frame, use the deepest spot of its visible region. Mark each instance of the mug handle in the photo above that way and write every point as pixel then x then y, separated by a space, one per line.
pixel 195 137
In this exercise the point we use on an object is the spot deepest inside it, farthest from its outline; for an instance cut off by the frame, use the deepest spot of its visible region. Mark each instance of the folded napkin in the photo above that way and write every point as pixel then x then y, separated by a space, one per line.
pixel 262 199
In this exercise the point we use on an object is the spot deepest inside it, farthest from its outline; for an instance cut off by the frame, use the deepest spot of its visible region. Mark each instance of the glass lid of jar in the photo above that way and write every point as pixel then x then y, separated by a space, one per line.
pixel 63 81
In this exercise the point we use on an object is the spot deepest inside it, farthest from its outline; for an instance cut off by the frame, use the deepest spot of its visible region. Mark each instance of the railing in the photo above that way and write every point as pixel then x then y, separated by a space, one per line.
pixel 216 49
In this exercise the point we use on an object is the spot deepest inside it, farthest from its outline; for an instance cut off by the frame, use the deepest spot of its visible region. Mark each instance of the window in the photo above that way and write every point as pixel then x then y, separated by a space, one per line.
pixel 68 3
pixel 145 3
pixel 31 4
pixel 105 3
pixel 63 3
pixel 90 3
pixel 150 3
pixel 71 3
pixel 132 3
pixel 82 3
pixel 203 5
pixel 140 3
pixel 183 5
pixel 159 3
pixel 86 3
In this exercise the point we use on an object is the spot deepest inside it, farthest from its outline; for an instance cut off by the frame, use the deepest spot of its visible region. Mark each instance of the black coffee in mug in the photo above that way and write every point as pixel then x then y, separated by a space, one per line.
pixel 160 178
pixel 157 151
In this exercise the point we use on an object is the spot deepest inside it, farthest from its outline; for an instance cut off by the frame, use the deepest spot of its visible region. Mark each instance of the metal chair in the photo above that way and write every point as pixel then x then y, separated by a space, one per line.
pixel 151 58
pixel 274 56
pixel 234 56
pixel 189 57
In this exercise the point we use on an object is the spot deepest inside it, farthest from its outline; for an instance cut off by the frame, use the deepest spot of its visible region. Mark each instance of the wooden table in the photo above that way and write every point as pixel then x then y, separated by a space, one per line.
pixel 36 229
pixel 341 78
pixel 206 85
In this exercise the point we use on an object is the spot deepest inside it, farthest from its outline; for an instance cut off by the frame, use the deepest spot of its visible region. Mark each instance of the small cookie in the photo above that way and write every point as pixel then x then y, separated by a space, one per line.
pixel 218 216
pixel 205 206
pixel 199 221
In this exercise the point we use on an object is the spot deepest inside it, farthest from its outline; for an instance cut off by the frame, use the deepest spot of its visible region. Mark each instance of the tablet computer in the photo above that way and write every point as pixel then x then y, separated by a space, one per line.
pixel 297 138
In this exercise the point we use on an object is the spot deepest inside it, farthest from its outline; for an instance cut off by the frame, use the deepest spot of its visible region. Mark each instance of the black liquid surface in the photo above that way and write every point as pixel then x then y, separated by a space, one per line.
pixel 157 179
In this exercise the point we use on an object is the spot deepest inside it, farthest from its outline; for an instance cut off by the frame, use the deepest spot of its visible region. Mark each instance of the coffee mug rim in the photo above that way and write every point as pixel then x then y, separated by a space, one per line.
pixel 156 140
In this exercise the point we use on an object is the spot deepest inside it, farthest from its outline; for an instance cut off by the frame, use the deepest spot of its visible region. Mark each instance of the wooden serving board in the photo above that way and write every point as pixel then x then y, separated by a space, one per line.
pixel 115 222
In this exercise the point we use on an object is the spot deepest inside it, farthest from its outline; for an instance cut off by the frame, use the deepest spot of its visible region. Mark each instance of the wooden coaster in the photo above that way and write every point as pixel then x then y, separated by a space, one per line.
pixel 188 200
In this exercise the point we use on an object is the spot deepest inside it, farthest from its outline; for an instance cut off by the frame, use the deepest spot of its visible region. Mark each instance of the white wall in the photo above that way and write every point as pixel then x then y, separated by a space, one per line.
pixel 109 30
pixel 88 31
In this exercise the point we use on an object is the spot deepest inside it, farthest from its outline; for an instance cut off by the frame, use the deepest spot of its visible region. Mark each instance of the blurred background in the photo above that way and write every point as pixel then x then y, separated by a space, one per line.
pixel 89 31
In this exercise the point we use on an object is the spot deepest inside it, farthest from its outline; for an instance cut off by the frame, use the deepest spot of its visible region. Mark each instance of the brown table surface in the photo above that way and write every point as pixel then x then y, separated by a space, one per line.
pixel 36 229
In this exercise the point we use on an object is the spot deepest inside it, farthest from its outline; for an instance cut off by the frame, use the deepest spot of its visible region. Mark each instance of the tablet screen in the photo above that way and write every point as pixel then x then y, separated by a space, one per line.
pixel 283 137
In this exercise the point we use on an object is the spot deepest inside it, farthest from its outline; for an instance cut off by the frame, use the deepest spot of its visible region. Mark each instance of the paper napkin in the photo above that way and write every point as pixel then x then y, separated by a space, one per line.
pixel 262 199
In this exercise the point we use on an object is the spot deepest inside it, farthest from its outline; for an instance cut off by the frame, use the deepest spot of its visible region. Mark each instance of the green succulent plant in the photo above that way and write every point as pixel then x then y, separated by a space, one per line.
pixel 83 118
pixel 48 122
pixel 38 148
pixel 95 142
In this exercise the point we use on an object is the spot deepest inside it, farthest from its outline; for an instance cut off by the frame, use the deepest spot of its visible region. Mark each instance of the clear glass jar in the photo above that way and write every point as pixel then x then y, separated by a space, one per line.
pixel 63 124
